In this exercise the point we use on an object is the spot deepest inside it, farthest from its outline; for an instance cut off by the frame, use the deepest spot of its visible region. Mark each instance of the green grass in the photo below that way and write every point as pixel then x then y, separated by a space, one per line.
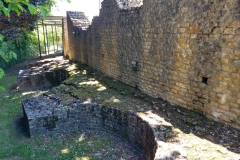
pixel 90 85
pixel 15 143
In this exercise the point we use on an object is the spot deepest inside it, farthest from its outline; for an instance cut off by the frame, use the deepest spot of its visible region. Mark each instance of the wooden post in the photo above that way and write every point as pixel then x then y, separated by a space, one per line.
pixel 53 39
pixel 39 45
pixel 47 38
pixel 56 36
pixel 44 38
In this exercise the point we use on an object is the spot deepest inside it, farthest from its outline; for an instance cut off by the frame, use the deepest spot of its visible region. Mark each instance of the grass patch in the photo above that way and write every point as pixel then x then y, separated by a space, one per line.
pixel 86 84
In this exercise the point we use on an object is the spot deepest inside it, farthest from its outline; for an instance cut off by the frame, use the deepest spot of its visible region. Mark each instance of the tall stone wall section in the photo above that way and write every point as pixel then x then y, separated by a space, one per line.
pixel 185 51
pixel 65 36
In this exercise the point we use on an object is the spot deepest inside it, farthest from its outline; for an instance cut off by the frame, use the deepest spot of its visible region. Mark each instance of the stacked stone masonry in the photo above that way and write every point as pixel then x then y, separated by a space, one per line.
pixel 43 74
pixel 47 115
pixel 185 51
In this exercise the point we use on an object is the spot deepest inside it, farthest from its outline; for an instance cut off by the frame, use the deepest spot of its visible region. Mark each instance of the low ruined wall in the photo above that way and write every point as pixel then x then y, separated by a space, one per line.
pixel 186 52
pixel 46 115
pixel 43 74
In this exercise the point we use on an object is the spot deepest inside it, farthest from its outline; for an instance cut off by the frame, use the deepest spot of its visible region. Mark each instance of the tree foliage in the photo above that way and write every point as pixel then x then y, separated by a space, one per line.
pixel 17 18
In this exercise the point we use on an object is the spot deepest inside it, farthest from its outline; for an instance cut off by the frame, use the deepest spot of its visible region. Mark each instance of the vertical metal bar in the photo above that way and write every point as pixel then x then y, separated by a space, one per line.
pixel 47 38
pixel 62 29
pixel 53 39
pixel 44 38
pixel 56 36
pixel 39 45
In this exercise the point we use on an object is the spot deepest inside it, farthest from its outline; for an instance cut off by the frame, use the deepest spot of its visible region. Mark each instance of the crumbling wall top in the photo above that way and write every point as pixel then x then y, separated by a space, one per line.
pixel 79 19
pixel 126 4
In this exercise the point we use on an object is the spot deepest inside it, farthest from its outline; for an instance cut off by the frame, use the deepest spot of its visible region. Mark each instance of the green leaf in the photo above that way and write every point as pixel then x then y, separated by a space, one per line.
pixel 1 73
pixel 43 12
pixel 14 55
pixel 10 6
pixel 19 6
pixel 32 9
pixel 5 57
pixel 17 11
pixel 1 38
pixel 2 88
pixel 6 11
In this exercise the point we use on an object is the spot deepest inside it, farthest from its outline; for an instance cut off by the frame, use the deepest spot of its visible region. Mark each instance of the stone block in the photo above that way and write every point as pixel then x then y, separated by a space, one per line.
pixel 235 76
pixel 223 85
pixel 217 31
pixel 42 76
pixel 225 108
pixel 228 31
pixel 237 31
pixel 236 111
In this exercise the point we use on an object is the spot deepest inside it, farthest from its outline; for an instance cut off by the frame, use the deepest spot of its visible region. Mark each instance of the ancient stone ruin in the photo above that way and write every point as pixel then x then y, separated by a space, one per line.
pixel 43 74
pixel 47 115
pixel 186 52
pixel 79 20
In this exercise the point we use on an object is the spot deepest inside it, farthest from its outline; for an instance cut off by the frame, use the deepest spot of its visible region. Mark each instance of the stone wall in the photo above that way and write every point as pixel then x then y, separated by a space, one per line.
pixel 65 36
pixel 46 115
pixel 186 52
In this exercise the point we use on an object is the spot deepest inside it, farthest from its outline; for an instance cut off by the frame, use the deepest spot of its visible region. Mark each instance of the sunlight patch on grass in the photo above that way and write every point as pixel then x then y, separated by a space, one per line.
pixel 87 101
pixel 81 138
pixel 101 89
pixel 115 100
pixel 29 92
pixel 90 83
pixel 84 72
pixel 65 151
pixel 82 158
pixel 72 67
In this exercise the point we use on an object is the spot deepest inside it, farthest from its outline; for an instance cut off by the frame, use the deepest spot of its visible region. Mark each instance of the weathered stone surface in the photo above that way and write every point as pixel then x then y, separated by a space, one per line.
pixel 45 115
pixel 78 20
pixel 43 74
pixel 165 47
pixel 127 4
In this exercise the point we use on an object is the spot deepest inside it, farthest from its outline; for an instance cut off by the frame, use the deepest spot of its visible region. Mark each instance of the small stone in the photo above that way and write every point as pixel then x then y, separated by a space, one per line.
pixel 154 103
pixel 210 138
pixel 162 128
pixel 123 93
pixel 77 101
pixel 199 128
pixel 237 31
pixel 98 154
pixel 140 110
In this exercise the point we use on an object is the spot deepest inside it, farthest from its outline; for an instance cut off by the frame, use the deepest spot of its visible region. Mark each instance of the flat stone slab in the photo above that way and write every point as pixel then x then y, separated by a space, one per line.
pixel 40 114
pixel 45 73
